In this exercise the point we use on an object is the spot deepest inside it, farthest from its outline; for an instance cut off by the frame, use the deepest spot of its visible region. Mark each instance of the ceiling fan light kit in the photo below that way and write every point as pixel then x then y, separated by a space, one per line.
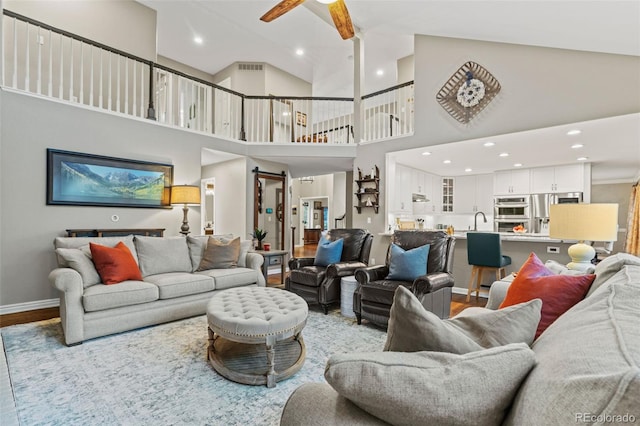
pixel 337 9
pixel 468 91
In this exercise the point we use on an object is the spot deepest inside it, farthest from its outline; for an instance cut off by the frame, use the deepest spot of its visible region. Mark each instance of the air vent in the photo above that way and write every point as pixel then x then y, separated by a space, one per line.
pixel 250 67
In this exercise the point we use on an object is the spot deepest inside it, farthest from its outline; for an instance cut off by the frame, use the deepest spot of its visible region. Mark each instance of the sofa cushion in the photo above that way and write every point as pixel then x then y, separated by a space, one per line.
pixel 80 260
pixel 328 252
pixel 233 277
pixel 412 328
pixel 432 388
pixel 100 297
pixel 164 254
pixel 220 254
pixel 178 284
pixel 557 292
pixel 407 265
pixel 198 244
pixel 609 267
pixel 114 264
pixel 588 360
pixel 79 242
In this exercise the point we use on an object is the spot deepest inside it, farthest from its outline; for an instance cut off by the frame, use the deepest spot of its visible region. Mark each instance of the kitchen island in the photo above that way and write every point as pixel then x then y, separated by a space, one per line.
pixel 517 246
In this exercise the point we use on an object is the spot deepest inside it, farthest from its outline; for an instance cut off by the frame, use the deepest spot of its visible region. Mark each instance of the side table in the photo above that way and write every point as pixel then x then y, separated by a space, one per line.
pixel 347 287
pixel 273 257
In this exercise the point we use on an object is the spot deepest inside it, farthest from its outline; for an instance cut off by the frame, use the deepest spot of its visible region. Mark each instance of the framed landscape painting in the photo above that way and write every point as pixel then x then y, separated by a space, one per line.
pixel 79 179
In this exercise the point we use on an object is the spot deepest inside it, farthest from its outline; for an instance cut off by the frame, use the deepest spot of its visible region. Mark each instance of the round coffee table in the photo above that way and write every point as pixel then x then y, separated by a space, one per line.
pixel 254 334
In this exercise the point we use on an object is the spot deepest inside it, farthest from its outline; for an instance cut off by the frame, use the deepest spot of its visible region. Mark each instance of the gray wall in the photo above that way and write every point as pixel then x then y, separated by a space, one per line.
pixel 28 226
pixel 541 87
pixel 619 193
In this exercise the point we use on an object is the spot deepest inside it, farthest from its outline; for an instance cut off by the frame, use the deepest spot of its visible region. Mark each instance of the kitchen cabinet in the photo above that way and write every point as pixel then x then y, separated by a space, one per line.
pixel 402 193
pixel 473 193
pixel 558 179
pixel 435 196
pixel 418 182
pixel 509 182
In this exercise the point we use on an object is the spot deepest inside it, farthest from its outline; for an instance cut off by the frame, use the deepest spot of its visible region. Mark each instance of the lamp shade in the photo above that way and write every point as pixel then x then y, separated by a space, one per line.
pixel 584 222
pixel 185 194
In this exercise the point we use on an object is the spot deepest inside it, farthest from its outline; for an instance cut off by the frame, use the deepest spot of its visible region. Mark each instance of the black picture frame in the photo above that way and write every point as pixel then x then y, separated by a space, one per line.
pixel 79 179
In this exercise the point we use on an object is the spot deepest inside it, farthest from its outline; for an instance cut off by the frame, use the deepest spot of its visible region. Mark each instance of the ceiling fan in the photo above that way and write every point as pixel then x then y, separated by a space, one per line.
pixel 337 9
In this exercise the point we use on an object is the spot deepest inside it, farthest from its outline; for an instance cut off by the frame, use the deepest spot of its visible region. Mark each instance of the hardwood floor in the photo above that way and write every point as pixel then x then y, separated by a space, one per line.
pixel 457 304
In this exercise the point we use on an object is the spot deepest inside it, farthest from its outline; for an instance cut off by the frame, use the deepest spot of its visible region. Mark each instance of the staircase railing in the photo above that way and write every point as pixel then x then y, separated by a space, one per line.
pixel 44 60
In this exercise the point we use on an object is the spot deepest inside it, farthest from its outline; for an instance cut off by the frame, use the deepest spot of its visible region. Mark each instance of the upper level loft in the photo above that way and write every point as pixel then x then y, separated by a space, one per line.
pixel 51 62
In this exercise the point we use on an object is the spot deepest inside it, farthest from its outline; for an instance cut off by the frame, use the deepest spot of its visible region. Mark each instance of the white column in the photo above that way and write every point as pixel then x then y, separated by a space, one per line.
pixel 358 86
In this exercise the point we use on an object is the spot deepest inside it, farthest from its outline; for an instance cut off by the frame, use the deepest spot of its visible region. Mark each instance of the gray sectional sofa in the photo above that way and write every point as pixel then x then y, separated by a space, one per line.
pixel 587 368
pixel 171 288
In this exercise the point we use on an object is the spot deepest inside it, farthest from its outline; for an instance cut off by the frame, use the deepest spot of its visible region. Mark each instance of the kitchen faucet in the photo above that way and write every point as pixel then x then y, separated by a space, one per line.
pixel 475 220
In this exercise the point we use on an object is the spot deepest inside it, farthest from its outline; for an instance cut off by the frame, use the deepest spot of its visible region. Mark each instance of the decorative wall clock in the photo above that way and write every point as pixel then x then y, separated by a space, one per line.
pixel 468 91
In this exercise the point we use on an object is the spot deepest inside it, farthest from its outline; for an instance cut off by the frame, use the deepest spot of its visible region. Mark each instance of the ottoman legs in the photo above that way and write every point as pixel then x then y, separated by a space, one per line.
pixel 271 365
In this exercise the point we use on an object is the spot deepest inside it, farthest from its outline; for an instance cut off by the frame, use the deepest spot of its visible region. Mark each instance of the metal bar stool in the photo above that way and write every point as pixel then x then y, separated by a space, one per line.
pixel 484 252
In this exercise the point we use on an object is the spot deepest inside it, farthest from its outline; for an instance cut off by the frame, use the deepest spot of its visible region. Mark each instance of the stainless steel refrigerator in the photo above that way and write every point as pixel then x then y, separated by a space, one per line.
pixel 540 208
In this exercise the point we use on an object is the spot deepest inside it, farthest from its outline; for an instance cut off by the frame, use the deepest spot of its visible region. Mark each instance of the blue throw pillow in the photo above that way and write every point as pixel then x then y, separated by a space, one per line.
pixel 328 252
pixel 408 265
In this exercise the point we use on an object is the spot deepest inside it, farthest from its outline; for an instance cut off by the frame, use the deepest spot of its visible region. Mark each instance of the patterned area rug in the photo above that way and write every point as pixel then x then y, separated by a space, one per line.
pixel 157 375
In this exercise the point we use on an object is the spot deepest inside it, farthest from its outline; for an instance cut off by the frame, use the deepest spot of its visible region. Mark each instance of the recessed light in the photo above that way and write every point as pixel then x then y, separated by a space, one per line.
pixel 517 165
pixel 299 52
pixel 426 153
pixel 489 144
pixel 574 132
pixel 504 154
pixel 447 161
pixel 577 145
pixel 197 40
pixel 326 1
pixel 468 169
pixel 285 113
pixel 582 158
pixel 380 72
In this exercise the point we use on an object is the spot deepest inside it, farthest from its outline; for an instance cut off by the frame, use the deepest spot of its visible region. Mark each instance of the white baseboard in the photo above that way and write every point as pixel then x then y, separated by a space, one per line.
pixel 29 306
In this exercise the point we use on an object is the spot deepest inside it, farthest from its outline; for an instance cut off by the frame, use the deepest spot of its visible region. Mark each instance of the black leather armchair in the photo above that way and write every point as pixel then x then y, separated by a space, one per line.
pixel 373 297
pixel 320 284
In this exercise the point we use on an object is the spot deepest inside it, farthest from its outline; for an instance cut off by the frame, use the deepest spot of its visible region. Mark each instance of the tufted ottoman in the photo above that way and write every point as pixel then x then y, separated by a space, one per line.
pixel 254 334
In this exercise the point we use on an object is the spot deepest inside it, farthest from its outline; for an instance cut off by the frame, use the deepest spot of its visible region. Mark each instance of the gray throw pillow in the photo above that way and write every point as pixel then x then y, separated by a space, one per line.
pixel 433 388
pixel 80 260
pixel 220 255
pixel 412 328
pixel 158 255
pixel 609 267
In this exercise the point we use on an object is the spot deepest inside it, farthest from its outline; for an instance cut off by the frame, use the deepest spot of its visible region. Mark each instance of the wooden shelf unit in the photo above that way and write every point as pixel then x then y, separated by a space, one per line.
pixel 368 190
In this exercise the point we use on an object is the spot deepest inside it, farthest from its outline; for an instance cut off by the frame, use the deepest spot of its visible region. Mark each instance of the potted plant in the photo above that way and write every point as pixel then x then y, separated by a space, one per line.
pixel 259 235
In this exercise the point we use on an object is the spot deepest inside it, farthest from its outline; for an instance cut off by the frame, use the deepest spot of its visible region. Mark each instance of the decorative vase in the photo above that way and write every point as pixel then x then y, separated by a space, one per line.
pixel 259 247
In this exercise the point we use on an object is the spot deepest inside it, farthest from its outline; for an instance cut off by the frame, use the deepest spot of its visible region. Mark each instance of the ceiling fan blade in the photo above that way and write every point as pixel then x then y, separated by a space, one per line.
pixel 280 9
pixel 341 19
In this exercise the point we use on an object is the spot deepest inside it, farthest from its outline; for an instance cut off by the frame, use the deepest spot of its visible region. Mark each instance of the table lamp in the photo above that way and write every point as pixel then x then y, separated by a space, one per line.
pixel 185 195
pixel 583 222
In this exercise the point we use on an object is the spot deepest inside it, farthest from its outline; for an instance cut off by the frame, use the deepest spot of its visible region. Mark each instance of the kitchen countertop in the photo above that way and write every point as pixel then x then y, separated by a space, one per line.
pixel 505 236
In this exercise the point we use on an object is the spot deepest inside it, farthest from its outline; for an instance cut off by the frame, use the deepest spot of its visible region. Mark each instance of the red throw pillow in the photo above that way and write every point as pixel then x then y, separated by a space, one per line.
pixel 115 264
pixel 557 292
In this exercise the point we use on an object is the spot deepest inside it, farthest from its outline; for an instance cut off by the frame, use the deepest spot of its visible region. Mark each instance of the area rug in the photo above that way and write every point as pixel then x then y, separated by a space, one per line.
pixel 157 375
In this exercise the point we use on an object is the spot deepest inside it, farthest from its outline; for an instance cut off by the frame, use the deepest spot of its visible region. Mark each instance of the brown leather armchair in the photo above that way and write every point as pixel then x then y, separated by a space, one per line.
pixel 373 297
pixel 321 284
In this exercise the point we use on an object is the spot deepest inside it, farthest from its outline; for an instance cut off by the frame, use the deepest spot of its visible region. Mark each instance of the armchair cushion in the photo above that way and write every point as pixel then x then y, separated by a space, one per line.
pixel 407 265
pixel 311 276
pixel 420 388
pixel 412 328
pixel 328 252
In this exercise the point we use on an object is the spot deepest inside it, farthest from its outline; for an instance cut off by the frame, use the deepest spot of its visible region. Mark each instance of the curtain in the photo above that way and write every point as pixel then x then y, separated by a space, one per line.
pixel 632 244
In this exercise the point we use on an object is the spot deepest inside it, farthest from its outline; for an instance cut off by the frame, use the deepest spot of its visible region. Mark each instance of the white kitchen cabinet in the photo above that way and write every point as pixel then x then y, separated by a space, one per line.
pixel 433 184
pixel 511 182
pixel 402 194
pixel 473 194
pixel 558 179
pixel 418 185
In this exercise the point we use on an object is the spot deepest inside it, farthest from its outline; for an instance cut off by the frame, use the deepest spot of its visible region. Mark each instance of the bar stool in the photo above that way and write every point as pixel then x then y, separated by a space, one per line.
pixel 484 252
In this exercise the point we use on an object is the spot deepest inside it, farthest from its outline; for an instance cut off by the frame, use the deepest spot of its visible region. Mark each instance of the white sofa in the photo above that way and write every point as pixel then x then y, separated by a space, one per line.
pixel 171 288
pixel 587 367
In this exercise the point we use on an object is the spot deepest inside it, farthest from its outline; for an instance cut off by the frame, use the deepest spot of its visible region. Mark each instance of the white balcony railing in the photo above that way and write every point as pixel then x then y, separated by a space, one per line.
pixel 44 60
